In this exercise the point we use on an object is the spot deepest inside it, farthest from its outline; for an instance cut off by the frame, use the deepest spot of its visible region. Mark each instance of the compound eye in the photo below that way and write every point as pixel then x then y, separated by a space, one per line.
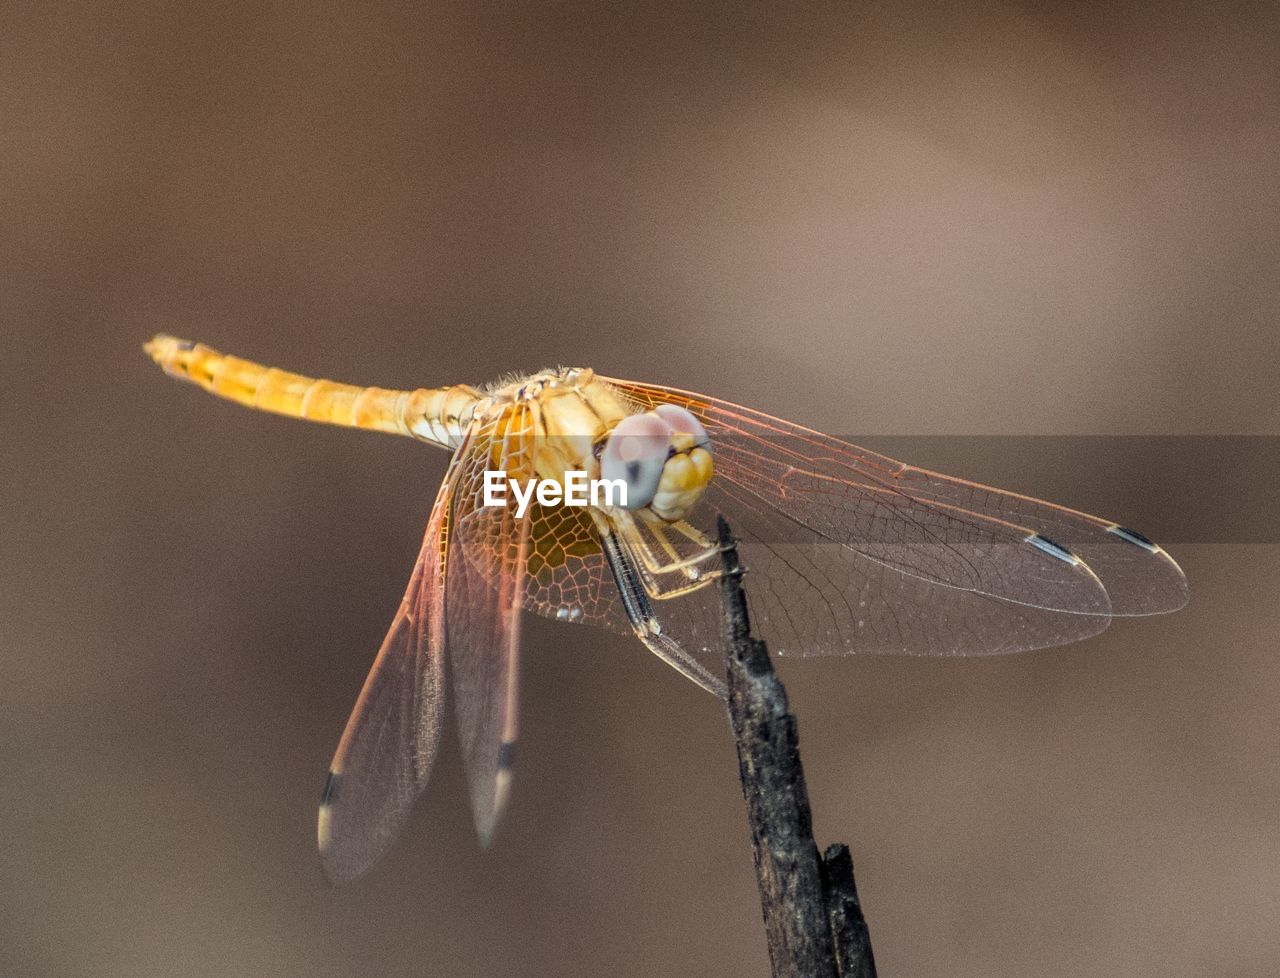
pixel 635 453
pixel 683 422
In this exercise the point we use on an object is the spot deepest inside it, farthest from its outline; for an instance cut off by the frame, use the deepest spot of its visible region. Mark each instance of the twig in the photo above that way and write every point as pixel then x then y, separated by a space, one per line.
pixel 844 909
pixel 812 917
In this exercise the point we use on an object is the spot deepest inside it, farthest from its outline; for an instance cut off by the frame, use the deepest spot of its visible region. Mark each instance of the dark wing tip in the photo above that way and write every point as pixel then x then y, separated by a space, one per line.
pixel 1162 586
pixel 1134 537
pixel 507 755
pixel 324 828
pixel 489 796
pixel 330 785
pixel 339 864
pixel 1052 548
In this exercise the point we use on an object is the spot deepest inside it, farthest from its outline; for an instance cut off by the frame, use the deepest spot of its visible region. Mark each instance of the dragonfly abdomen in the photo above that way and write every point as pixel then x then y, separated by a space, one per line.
pixel 437 415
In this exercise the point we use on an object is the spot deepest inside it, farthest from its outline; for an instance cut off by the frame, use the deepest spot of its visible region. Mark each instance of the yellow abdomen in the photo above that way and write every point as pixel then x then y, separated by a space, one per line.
pixel 438 415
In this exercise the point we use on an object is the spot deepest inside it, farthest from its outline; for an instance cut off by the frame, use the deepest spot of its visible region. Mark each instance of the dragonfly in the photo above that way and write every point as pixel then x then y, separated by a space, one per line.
pixel 847 551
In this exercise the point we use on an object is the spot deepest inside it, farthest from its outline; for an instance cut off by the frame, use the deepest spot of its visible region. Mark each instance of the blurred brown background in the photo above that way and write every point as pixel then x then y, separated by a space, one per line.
pixel 888 218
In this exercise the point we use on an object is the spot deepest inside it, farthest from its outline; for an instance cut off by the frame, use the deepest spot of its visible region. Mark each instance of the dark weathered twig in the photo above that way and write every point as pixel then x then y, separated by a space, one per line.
pixel 844 909
pixel 812 918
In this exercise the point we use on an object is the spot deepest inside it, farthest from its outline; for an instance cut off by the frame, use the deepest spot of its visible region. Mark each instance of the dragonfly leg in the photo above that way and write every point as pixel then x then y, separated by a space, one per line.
pixel 688 530
pixel 666 576
pixel 687 565
pixel 691 567
pixel 635 599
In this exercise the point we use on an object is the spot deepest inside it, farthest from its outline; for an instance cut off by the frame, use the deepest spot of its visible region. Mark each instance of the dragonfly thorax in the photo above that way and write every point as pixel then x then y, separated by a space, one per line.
pixel 662 456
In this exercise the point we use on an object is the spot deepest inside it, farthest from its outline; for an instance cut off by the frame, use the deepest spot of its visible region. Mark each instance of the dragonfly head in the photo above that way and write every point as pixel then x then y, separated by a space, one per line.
pixel 663 457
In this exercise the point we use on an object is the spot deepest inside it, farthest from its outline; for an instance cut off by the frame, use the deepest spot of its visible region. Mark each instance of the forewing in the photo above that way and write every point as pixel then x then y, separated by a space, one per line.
pixel 854 551
pixel 484 591
pixel 816 597
pixel 384 758
pixel 1140 576
pixel 861 498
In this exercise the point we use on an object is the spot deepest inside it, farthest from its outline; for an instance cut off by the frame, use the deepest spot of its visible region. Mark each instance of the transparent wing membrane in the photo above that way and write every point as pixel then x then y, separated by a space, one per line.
pixel 488 558
pixel 389 745
pixel 850 551
pixel 569 579
pixel 815 597
pixel 1140 576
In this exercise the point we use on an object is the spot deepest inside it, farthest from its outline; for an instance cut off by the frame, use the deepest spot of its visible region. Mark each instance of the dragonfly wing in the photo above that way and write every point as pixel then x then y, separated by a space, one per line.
pixel 861 498
pixel 384 758
pixel 853 551
pixel 568 578
pixel 815 597
pixel 484 590
pixel 1140 576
